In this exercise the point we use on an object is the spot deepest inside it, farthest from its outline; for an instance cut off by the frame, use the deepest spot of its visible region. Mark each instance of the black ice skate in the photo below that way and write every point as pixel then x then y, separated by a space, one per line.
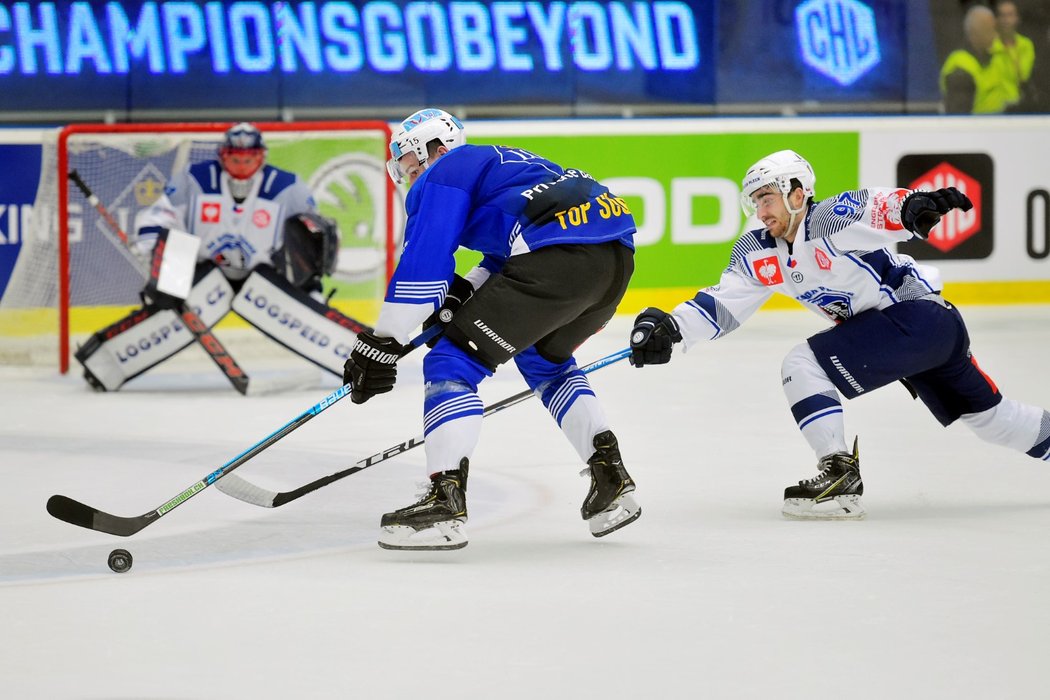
pixel 610 503
pixel 833 494
pixel 434 522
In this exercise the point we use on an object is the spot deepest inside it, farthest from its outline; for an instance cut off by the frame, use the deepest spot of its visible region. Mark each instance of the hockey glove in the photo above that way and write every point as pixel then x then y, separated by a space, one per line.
pixel 921 211
pixel 655 333
pixel 372 367
pixel 458 293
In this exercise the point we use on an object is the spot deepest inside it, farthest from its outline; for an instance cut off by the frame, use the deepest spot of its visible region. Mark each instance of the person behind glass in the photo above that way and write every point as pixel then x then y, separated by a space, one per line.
pixel 978 79
pixel 891 322
pixel 1018 50
pixel 558 253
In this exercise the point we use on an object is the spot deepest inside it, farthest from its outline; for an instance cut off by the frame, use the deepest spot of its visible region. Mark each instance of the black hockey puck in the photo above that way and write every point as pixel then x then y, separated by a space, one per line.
pixel 120 560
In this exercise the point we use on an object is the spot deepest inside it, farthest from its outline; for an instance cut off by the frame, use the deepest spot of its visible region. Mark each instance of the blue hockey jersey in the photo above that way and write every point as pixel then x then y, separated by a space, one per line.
pixel 498 201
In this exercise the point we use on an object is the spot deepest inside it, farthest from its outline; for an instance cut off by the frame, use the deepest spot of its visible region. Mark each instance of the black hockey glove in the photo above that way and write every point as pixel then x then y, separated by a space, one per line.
pixel 372 367
pixel 655 333
pixel 921 211
pixel 458 293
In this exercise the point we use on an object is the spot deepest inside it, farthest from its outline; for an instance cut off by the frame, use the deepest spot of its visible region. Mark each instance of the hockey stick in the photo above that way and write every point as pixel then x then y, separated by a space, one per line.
pixel 216 351
pixel 76 513
pixel 244 490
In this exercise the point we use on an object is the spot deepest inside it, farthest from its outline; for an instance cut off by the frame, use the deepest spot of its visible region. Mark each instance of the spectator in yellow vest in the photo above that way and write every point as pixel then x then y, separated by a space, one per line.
pixel 977 80
pixel 1018 49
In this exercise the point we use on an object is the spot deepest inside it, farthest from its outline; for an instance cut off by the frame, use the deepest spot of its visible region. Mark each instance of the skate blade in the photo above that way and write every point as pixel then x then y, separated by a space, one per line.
pixel 449 534
pixel 623 511
pixel 838 508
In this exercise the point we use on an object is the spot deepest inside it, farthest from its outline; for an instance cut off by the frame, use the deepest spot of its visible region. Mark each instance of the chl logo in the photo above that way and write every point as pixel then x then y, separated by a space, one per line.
pixel 838 38
pixel 768 271
pixel 959 235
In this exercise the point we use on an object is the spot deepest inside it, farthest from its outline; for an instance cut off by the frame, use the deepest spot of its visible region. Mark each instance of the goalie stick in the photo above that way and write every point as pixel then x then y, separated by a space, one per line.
pixel 81 515
pixel 207 340
pixel 244 490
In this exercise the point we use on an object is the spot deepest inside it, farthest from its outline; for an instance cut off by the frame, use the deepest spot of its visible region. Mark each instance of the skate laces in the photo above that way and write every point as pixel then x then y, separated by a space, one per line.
pixel 837 461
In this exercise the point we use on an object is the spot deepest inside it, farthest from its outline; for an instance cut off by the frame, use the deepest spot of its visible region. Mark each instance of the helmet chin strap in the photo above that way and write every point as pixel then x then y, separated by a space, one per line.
pixel 794 215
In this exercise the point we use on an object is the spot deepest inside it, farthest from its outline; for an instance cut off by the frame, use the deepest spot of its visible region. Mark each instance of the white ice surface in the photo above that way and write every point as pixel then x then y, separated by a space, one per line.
pixel 941 593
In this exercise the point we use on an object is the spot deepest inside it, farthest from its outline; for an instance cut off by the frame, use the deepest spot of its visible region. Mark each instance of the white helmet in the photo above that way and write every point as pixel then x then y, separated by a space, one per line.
pixel 417 131
pixel 777 169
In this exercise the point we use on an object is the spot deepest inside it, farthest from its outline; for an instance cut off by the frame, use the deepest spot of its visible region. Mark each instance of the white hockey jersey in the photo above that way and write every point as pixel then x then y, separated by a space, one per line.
pixel 837 266
pixel 235 236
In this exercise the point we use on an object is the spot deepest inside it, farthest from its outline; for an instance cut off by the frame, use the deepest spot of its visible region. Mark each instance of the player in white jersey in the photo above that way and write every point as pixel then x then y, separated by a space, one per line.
pixel 247 237
pixel 891 321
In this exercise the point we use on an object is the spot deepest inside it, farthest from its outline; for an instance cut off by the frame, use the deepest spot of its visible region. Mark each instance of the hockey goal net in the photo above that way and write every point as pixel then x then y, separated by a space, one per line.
pixel 71 280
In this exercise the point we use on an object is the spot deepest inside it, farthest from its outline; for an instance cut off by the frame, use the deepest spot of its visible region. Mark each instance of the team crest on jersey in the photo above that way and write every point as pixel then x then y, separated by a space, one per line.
pixel 768 271
pixel 836 305
pixel 823 261
pixel 261 218
pixel 211 213
pixel 886 210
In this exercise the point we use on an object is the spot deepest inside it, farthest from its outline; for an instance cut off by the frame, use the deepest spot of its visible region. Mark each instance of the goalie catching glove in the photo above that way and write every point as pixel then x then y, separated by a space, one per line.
pixel 458 293
pixel 654 334
pixel 921 211
pixel 372 367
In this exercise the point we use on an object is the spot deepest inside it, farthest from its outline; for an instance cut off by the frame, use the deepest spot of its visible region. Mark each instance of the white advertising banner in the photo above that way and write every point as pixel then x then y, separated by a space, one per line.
pixel 1003 164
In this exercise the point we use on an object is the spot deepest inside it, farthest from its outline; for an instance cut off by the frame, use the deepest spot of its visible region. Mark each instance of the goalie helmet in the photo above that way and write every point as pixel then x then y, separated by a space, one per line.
pixel 309 250
pixel 242 152
pixel 777 169
pixel 416 132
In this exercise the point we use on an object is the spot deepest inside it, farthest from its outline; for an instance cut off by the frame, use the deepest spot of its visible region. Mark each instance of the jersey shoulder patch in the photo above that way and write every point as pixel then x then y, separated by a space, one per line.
pixel 207 175
pixel 275 181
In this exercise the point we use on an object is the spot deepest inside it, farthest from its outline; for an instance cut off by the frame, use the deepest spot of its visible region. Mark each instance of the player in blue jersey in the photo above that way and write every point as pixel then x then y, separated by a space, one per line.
pixel 891 321
pixel 558 253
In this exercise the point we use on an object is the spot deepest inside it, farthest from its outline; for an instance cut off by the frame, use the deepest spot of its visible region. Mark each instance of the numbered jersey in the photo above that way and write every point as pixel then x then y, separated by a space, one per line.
pixel 500 202
pixel 837 266
pixel 236 236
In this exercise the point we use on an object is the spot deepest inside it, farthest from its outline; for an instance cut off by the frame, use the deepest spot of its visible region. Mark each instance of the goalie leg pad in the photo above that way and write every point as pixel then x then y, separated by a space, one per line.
pixel 148 336
pixel 294 319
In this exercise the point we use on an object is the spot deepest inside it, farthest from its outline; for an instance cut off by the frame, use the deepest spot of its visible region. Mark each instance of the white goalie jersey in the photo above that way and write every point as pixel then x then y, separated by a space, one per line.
pixel 236 236
pixel 837 266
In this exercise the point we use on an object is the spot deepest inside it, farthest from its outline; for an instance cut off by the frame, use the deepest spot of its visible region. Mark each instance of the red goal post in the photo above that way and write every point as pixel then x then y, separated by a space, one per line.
pixel 343 161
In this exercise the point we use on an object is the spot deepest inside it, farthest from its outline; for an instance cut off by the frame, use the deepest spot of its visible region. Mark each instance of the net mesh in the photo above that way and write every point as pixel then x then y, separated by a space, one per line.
pixel 344 167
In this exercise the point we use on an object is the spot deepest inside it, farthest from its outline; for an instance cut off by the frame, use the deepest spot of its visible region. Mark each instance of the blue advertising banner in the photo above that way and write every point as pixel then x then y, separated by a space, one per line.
pixel 276 55
pixel 19 177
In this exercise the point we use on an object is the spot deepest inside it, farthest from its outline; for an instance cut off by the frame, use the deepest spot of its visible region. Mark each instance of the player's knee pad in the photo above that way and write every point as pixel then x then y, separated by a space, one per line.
pixel 802 376
pixel 148 336
pixel 452 364
pixel 294 319
pixel 1009 423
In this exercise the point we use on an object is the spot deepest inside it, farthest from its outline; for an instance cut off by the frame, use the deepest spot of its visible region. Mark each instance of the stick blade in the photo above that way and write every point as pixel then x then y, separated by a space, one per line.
pixel 76 513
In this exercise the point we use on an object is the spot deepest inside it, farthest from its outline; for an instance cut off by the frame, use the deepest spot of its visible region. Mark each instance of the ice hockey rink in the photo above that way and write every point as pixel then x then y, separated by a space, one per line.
pixel 940 593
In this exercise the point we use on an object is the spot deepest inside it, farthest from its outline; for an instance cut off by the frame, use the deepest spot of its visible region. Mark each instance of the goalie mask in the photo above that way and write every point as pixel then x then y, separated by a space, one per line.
pixel 777 170
pixel 416 132
pixel 241 155
pixel 309 251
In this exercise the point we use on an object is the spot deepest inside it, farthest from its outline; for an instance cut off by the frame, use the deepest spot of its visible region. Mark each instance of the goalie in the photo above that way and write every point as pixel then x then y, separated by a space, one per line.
pixel 229 234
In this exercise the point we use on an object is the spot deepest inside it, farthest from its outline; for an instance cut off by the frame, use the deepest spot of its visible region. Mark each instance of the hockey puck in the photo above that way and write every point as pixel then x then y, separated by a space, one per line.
pixel 120 560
